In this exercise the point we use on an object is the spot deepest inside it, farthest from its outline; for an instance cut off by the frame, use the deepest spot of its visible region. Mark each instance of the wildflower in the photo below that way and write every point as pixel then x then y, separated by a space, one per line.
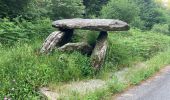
pixel 5 98
pixel 14 80
pixel 13 89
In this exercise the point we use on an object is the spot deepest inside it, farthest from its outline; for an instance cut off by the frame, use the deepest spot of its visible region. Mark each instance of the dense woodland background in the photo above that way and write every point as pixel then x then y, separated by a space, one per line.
pixel 142 14
pixel 24 25
pixel 139 13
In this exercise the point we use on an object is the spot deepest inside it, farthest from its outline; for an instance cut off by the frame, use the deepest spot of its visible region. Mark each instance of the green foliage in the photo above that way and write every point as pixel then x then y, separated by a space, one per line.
pixel 150 13
pixel 125 48
pixel 23 70
pixel 25 30
pixel 91 37
pixel 93 7
pixel 67 8
pixel 153 66
pixel 134 76
pixel 141 13
pixel 13 8
pixel 117 9
pixel 161 28
pixel 85 36
pixel 38 9
pixel 137 23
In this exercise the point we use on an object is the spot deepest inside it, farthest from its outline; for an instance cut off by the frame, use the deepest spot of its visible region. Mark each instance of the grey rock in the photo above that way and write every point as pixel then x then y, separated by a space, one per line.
pixel 99 52
pixel 52 40
pixel 83 47
pixel 92 24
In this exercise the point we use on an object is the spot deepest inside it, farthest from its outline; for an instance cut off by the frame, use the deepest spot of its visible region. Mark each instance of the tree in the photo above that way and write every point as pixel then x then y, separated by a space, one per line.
pixel 67 9
pixel 150 13
pixel 38 8
pixel 12 8
pixel 93 7
pixel 125 10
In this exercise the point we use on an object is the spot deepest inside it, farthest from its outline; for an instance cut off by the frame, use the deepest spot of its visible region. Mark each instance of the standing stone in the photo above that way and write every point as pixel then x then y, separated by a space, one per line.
pixel 56 39
pixel 52 40
pixel 99 52
pixel 66 28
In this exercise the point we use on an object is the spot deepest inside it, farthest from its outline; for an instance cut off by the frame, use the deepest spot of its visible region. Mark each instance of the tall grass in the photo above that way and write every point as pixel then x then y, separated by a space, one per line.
pixel 23 70
pixel 126 47
pixel 133 77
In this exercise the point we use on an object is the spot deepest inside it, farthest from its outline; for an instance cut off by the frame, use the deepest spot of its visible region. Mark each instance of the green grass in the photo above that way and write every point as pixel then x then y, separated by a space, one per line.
pixel 133 77
pixel 23 70
pixel 128 48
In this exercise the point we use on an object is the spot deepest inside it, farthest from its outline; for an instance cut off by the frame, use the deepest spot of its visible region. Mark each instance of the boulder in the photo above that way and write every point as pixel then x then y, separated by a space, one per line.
pixel 82 47
pixel 52 40
pixel 99 52
pixel 92 24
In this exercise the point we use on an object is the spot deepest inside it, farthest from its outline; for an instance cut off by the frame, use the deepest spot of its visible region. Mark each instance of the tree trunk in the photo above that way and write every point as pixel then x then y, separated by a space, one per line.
pixel 82 47
pixel 99 52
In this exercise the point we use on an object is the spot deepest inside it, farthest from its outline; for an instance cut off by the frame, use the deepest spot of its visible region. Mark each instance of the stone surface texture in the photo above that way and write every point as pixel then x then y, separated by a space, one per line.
pixel 92 24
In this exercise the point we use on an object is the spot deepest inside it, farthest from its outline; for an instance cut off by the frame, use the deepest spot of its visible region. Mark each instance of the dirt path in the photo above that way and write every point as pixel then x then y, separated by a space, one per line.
pixel 156 88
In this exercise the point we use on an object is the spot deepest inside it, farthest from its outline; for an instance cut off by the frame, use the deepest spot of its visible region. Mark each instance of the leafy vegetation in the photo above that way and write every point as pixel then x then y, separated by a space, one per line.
pixel 24 24
pixel 23 69
pixel 67 8
pixel 133 77
pixel 118 10
pixel 11 32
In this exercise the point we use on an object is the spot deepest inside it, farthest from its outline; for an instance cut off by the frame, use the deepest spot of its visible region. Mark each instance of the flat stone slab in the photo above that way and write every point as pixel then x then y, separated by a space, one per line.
pixel 92 24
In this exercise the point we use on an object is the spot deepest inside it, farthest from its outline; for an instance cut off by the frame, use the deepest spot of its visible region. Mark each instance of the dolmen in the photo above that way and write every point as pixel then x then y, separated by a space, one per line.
pixel 66 27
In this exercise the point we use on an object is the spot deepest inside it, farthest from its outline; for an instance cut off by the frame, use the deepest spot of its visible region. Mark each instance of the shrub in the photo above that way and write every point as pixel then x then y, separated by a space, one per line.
pixel 67 8
pixel 161 28
pixel 127 47
pixel 118 9
pixel 17 31
pixel 23 71
pixel 13 8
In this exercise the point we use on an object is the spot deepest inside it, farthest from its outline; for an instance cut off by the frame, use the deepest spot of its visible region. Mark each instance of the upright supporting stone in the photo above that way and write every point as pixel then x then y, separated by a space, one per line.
pixel 56 39
pixel 68 33
pixel 99 52
pixel 52 40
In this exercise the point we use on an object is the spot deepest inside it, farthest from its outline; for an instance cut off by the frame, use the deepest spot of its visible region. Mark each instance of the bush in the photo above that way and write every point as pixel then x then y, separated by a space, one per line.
pixel 37 9
pixel 13 8
pixel 67 8
pixel 23 71
pixel 117 9
pixel 126 47
pixel 150 13
pixel 93 7
pixel 161 28
pixel 17 31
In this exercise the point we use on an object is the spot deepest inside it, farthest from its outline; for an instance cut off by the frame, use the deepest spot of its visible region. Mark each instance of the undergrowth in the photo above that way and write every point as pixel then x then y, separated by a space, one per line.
pixel 133 77
pixel 23 70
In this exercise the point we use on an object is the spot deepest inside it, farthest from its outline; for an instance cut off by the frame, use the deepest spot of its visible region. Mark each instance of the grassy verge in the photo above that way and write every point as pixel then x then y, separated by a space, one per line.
pixel 23 70
pixel 134 77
